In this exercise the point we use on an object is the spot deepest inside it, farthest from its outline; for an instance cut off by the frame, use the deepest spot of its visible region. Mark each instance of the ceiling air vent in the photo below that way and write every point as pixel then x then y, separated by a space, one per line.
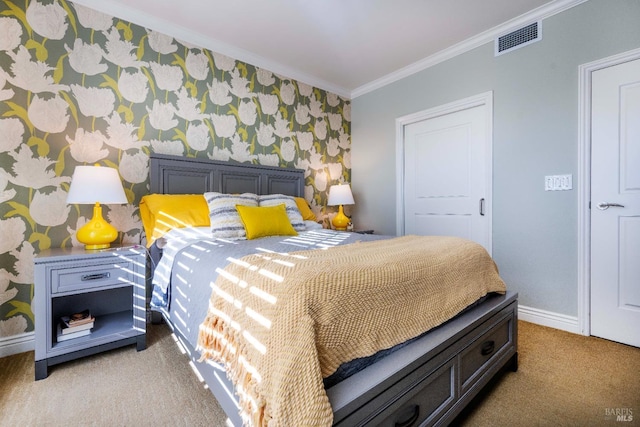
pixel 518 38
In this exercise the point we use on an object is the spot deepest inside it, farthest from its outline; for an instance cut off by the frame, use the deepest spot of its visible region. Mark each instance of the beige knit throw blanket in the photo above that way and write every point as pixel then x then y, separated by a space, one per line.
pixel 282 322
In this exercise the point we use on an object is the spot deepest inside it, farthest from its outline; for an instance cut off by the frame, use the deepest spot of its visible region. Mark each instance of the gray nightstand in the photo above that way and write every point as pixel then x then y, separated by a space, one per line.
pixel 110 283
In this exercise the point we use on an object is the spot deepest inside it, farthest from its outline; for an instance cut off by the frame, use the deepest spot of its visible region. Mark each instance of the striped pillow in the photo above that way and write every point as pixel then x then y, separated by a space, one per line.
pixel 223 215
pixel 291 206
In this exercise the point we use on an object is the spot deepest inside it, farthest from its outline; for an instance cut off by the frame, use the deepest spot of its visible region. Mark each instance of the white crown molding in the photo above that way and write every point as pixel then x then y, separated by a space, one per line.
pixel 537 14
pixel 138 17
pixel 122 11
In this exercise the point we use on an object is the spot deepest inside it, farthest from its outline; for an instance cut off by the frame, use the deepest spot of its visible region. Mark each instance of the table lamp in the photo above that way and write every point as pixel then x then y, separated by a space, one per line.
pixel 92 185
pixel 340 195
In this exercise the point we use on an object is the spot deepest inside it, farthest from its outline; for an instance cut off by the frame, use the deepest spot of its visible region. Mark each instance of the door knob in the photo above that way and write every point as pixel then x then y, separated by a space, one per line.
pixel 604 206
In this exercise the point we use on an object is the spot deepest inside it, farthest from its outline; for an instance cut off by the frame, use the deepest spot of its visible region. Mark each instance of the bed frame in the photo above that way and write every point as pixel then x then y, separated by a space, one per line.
pixel 427 382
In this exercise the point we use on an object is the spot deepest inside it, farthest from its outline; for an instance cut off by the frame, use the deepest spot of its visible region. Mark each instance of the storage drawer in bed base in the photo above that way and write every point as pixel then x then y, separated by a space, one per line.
pixel 421 384
pixel 435 387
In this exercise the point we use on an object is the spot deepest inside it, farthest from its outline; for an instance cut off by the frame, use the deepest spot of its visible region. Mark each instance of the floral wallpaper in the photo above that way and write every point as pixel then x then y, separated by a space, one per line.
pixel 80 87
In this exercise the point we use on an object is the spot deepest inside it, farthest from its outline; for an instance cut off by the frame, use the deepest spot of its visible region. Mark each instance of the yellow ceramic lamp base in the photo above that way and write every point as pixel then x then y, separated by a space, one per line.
pixel 340 221
pixel 97 233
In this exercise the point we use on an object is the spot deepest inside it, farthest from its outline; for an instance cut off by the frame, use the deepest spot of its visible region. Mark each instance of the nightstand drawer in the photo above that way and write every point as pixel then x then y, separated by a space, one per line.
pixel 91 277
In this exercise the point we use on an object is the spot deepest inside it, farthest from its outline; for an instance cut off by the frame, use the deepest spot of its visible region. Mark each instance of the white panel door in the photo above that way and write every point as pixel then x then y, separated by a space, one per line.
pixel 445 184
pixel 615 203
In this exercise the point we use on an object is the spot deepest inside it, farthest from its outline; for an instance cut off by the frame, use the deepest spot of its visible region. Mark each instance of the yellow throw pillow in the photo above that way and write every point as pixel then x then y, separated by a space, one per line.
pixel 264 221
pixel 305 210
pixel 290 205
pixel 162 212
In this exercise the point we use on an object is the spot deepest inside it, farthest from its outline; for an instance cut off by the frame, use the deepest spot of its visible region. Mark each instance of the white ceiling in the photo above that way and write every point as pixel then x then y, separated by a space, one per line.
pixel 345 46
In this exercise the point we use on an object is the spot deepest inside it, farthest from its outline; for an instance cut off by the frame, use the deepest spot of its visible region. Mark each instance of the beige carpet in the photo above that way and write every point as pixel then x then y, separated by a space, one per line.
pixel 123 387
pixel 563 380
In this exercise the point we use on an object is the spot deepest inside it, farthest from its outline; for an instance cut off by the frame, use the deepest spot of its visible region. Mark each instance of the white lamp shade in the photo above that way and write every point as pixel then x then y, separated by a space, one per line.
pixel 340 195
pixel 91 184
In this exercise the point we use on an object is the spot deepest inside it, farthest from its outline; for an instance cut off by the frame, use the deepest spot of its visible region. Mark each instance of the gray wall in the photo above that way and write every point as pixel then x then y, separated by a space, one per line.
pixel 535 92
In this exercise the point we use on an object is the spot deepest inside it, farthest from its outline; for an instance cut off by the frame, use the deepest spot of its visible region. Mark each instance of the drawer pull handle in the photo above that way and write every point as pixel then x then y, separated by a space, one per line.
pixel 408 416
pixel 95 276
pixel 487 348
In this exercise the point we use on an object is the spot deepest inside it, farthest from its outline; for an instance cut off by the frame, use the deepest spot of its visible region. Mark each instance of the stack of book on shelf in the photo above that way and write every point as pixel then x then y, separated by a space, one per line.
pixel 75 325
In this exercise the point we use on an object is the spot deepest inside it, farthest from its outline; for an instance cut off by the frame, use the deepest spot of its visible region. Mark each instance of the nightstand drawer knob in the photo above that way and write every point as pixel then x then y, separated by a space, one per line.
pixel 95 276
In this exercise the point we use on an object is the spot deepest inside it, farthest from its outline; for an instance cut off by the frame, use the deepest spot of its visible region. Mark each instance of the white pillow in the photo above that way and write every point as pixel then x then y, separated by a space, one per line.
pixel 291 206
pixel 224 217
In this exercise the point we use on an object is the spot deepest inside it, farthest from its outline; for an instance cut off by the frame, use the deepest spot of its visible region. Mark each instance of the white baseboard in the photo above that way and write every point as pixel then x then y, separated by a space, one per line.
pixel 17 344
pixel 25 342
pixel 548 318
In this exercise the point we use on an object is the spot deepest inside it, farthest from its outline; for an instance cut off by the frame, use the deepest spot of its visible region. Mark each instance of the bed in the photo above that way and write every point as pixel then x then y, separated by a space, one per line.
pixel 427 380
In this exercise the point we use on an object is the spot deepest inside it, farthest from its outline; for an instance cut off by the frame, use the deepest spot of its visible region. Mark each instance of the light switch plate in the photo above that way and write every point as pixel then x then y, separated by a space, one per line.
pixel 558 182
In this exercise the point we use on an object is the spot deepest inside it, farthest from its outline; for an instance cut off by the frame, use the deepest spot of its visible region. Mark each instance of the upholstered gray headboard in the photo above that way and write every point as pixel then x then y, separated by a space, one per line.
pixel 183 175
